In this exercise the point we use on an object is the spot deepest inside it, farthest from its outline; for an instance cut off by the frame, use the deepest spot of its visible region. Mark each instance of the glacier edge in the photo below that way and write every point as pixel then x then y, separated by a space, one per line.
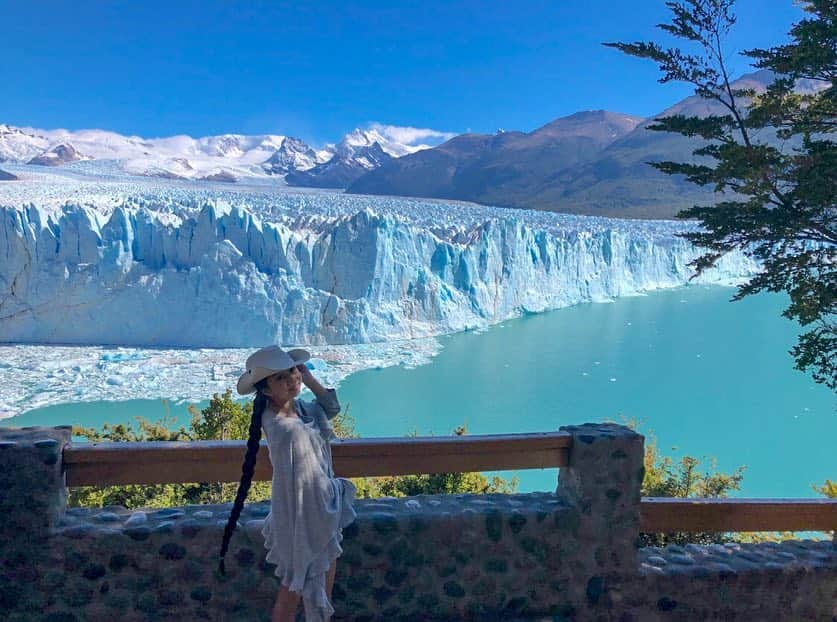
pixel 226 276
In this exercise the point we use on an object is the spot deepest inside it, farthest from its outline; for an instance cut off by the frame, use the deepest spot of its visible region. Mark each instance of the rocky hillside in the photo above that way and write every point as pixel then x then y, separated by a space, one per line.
pixel 588 163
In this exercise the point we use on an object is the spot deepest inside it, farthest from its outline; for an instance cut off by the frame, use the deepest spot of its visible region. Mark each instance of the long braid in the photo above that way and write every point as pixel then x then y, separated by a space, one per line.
pixel 247 470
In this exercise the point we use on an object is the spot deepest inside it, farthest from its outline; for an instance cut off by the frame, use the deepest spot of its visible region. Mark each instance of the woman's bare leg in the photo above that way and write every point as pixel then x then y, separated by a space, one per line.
pixel 332 571
pixel 287 602
pixel 286 605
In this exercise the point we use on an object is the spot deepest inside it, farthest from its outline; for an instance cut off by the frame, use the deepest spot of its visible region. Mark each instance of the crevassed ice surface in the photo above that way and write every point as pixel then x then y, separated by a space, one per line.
pixel 33 376
pixel 150 264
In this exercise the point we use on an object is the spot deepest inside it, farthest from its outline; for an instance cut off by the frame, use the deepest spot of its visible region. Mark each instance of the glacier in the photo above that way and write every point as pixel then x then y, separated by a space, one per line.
pixel 36 376
pixel 174 265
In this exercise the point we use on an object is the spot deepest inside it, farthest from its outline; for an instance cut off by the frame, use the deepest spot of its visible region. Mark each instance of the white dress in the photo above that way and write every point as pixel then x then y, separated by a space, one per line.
pixel 309 506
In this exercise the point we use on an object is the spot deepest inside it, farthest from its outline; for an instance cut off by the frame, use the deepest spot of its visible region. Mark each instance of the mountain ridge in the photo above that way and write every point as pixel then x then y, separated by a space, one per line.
pixel 593 162
pixel 225 157
pixel 490 168
pixel 564 172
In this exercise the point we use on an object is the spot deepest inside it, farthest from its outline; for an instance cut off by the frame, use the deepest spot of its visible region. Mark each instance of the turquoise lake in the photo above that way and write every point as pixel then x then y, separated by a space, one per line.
pixel 706 377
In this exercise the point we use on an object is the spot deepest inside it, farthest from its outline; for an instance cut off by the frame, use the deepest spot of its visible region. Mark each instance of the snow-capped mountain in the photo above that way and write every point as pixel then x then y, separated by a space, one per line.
pixel 17 145
pixel 63 153
pixel 238 147
pixel 341 170
pixel 226 157
pixel 359 152
pixel 294 155
pixel 358 141
pixel 171 157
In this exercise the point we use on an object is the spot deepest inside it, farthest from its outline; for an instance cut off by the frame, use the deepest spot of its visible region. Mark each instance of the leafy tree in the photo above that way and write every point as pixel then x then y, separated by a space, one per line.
pixel 769 157
pixel 683 478
pixel 226 419
pixel 828 489
pixel 665 477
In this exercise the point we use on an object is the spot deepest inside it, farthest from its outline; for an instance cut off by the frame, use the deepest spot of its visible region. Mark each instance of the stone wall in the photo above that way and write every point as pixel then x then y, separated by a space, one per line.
pixel 794 580
pixel 568 556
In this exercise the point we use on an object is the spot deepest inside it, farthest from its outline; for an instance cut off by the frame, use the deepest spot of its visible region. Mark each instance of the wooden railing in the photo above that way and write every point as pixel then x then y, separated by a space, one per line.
pixel 167 462
pixel 220 461
pixel 666 514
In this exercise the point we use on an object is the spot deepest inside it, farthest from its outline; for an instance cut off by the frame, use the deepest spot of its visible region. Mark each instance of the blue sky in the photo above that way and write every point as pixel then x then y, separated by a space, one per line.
pixel 317 70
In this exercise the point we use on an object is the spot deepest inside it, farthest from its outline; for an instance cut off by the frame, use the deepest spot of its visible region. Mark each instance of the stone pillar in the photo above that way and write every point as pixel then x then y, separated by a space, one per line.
pixel 33 497
pixel 603 482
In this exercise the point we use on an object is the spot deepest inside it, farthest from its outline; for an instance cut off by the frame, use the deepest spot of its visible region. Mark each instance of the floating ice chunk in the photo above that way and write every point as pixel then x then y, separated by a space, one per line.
pixel 316 364
pixel 28 381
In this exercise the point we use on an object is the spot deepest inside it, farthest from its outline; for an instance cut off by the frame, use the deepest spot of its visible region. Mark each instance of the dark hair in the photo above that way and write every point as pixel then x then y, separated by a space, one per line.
pixel 247 469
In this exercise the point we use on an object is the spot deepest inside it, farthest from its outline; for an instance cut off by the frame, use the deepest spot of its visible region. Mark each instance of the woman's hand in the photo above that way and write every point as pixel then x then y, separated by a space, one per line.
pixel 306 374
pixel 309 381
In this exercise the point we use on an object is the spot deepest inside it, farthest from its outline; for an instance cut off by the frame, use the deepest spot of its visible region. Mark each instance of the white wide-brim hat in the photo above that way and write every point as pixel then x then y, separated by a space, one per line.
pixel 266 362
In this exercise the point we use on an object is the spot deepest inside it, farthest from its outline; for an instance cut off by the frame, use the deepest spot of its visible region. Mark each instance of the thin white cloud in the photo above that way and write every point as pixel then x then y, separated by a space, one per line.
pixel 413 136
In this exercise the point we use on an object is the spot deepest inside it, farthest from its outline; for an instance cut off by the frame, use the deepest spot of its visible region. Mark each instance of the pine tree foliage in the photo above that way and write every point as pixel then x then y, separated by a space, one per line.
pixel 777 195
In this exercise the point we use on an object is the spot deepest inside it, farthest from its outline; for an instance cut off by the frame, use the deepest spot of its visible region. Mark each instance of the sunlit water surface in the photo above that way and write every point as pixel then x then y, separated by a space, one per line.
pixel 708 377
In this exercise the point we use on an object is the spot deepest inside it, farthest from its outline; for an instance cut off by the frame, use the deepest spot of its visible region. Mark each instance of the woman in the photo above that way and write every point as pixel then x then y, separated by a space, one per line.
pixel 309 506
